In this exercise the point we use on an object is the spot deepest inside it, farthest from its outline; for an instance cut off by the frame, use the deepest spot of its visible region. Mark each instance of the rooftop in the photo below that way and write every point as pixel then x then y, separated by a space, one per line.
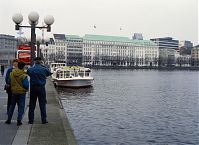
pixel 73 37
pixel 117 39
pixel 196 47
pixel 59 36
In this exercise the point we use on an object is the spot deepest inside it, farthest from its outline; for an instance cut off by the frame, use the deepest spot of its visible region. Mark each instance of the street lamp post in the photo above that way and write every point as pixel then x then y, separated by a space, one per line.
pixel 33 20
pixel 38 40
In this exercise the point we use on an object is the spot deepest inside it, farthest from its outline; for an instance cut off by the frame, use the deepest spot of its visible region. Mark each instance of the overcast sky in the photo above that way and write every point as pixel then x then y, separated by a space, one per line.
pixel 152 18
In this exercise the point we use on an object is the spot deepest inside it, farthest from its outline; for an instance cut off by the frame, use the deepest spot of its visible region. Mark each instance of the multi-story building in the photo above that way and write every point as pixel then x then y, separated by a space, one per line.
pixel 60 47
pixel 8 48
pixel 166 42
pixel 195 56
pixel 118 51
pixel 101 50
pixel 48 51
pixel 74 50
pixel 186 44
pixel 182 60
pixel 167 47
pixel 185 47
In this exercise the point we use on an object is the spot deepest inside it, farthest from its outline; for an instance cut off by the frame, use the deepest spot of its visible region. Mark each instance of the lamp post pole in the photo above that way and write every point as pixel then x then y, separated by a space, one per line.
pixel 38 42
pixel 33 20
pixel 33 37
pixel 38 49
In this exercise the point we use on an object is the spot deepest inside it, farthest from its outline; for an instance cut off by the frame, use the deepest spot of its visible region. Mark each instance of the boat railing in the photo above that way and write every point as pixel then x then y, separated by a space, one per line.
pixel 69 73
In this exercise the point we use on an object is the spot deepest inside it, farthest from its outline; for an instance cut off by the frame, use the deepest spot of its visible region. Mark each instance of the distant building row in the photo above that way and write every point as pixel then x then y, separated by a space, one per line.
pixel 101 50
pixel 121 51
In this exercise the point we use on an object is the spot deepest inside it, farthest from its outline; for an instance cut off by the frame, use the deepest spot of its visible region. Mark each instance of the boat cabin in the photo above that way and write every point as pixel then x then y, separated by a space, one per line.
pixel 53 66
pixel 71 72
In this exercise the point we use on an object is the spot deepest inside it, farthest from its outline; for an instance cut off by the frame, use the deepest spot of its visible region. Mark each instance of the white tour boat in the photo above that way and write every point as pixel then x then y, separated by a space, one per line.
pixel 72 76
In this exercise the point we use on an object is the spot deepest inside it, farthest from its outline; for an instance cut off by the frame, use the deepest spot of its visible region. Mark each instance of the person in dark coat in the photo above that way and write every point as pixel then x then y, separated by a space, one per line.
pixel 38 74
pixel 2 70
pixel 8 81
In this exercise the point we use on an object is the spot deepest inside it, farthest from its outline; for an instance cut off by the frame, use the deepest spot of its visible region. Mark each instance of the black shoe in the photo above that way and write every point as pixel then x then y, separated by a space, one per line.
pixel 30 122
pixel 8 122
pixel 19 123
pixel 44 122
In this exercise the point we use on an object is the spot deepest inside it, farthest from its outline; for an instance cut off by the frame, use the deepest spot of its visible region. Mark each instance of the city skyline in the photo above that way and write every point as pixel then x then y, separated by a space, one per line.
pixel 152 18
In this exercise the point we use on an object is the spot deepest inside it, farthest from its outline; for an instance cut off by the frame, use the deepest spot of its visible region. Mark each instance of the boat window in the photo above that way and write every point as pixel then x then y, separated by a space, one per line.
pixel 58 74
pixel 72 74
pixel 81 73
pixel 61 74
pixel 76 73
pixel 87 74
pixel 66 74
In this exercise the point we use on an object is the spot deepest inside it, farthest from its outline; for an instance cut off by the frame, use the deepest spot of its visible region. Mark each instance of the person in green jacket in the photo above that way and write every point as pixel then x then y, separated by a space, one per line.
pixel 19 87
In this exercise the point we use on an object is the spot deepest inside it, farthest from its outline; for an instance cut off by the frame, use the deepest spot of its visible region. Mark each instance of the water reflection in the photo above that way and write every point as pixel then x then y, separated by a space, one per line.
pixel 74 93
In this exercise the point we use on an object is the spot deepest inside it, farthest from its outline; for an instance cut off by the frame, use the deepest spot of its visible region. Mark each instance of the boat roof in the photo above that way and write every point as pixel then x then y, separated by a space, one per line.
pixel 72 68
pixel 57 63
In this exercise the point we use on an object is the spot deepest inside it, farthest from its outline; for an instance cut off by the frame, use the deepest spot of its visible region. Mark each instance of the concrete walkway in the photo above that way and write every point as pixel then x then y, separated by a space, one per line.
pixel 56 132
pixel 7 132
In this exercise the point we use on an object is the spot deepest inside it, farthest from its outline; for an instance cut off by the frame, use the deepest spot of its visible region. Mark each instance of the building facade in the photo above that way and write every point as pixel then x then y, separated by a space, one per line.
pixel 185 47
pixel 186 44
pixel 101 50
pixel 167 49
pixel 182 60
pixel 74 50
pixel 8 48
pixel 60 48
pixel 48 51
pixel 195 56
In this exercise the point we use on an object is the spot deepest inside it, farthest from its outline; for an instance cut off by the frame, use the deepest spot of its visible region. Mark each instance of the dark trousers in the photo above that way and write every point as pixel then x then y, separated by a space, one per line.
pixel 9 101
pixel 9 98
pixel 20 100
pixel 40 93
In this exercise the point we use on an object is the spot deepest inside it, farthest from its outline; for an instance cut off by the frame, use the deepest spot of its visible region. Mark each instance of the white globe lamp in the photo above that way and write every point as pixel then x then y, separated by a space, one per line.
pixel 17 18
pixel 33 17
pixel 49 20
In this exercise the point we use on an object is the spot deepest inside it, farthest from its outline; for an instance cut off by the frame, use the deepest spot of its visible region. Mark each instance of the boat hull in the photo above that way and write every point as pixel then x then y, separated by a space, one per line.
pixel 73 83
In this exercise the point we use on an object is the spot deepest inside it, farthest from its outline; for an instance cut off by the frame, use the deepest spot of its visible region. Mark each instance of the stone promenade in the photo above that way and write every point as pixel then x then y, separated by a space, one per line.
pixel 57 132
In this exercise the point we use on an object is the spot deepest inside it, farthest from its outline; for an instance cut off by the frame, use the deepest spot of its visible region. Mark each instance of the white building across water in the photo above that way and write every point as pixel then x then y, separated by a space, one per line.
pixel 101 50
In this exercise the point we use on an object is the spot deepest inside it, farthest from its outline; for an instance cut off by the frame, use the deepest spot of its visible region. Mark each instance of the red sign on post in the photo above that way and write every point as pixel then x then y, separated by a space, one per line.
pixel 24 47
pixel 24 53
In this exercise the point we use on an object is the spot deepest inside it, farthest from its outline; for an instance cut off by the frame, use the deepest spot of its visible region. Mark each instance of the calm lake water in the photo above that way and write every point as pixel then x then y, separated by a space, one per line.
pixel 135 107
